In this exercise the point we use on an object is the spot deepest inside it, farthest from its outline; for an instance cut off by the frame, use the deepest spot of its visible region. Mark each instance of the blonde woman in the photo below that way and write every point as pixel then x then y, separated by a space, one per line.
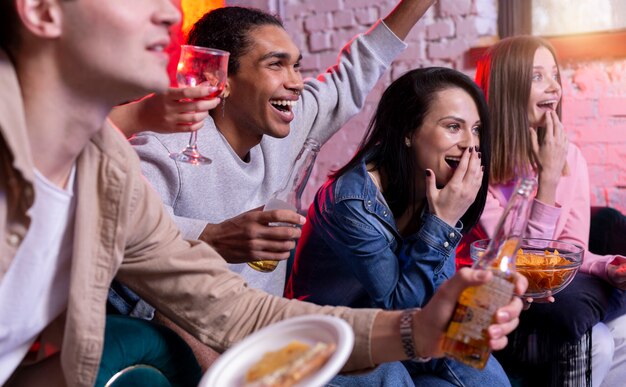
pixel 521 80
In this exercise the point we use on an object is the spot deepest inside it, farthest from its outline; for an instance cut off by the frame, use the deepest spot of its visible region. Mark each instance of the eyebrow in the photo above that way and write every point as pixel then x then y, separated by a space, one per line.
pixel 458 119
pixel 278 55
pixel 541 67
pixel 453 118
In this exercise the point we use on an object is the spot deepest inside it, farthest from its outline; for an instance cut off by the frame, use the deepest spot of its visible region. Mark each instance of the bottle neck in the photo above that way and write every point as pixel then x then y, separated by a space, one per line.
pixel 294 186
pixel 511 228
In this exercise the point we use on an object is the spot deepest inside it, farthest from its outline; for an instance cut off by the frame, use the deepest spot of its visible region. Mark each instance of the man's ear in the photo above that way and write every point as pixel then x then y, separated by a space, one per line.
pixel 41 18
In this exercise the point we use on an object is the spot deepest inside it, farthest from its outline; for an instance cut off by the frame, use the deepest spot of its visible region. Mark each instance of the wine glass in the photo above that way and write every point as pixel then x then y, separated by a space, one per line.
pixel 200 66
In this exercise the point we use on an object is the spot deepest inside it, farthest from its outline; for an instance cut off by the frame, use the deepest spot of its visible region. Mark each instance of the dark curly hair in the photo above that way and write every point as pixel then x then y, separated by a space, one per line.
pixel 228 29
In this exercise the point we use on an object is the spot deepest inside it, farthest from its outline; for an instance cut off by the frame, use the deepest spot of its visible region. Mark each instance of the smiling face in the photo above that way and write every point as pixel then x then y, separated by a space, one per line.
pixel 545 90
pixel 451 125
pixel 265 88
pixel 116 48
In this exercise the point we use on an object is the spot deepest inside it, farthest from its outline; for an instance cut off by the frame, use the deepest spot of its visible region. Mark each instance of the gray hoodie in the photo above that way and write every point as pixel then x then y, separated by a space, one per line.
pixel 195 196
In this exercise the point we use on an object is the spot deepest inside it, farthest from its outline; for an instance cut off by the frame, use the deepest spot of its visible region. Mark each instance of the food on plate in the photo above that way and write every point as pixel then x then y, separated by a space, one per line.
pixel 288 365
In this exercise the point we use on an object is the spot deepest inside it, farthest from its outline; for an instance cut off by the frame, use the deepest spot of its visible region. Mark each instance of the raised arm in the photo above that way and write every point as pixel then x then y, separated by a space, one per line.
pixel 405 15
pixel 333 97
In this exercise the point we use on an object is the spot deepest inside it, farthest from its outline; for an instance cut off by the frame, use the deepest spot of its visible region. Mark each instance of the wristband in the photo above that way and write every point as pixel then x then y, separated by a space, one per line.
pixel 406 336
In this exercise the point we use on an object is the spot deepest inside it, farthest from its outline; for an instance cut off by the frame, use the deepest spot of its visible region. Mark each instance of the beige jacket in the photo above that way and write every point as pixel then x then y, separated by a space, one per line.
pixel 122 229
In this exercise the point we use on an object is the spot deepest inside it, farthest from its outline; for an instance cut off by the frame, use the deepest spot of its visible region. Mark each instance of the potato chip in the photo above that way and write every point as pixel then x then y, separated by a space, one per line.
pixel 545 272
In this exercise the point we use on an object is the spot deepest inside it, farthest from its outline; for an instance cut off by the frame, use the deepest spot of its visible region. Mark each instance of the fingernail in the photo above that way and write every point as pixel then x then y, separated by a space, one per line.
pixel 428 172
pixel 477 148
pixel 482 168
pixel 481 275
pixel 471 149
pixel 503 316
pixel 302 220
pixel 479 155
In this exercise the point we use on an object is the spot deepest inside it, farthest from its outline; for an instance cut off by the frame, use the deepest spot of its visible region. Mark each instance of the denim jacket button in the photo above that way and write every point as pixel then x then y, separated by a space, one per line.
pixel 446 244
pixel 451 235
pixel 369 203
pixel 385 213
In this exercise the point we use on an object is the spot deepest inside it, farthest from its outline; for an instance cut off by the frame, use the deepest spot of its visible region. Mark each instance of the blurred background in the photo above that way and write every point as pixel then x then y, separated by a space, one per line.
pixel 590 38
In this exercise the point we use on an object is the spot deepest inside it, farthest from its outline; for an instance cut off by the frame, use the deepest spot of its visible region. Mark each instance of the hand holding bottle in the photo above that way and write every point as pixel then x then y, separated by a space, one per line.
pixel 288 197
pixel 434 317
pixel 467 338
pixel 250 237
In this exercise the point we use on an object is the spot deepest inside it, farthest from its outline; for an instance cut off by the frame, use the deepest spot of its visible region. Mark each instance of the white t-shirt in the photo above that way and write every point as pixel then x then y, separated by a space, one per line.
pixel 35 289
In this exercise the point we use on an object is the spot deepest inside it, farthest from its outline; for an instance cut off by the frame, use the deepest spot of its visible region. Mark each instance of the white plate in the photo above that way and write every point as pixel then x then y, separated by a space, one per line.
pixel 230 368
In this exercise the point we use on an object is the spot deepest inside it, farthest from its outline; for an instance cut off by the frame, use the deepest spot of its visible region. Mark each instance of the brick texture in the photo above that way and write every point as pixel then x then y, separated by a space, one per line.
pixel 594 111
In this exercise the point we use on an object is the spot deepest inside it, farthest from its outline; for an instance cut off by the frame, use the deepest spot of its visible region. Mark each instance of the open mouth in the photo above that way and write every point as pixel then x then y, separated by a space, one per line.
pixel 283 105
pixel 284 109
pixel 549 104
pixel 452 161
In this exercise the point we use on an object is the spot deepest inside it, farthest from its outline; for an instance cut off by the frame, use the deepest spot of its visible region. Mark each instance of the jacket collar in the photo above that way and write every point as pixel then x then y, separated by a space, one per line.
pixel 12 119
pixel 357 184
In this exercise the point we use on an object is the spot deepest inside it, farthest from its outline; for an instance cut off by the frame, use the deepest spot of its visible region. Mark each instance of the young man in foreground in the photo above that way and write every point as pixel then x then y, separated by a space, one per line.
pixel 75 211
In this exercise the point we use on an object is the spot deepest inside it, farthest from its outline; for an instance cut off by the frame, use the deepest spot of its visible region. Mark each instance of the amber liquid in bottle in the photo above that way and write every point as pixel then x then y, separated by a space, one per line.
pixel 466 339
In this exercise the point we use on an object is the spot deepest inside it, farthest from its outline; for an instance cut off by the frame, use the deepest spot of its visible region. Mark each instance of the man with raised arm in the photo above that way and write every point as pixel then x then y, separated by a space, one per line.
pixel 254 136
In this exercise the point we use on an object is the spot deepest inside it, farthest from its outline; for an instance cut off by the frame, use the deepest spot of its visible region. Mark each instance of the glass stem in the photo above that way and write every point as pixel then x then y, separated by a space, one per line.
pixel 192 139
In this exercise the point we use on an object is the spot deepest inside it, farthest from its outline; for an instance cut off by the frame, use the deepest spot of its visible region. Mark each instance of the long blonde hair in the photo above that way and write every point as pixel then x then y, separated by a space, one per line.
pixel 505 75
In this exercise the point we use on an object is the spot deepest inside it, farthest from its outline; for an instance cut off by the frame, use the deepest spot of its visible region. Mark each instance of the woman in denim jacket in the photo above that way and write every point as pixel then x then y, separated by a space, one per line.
pixel 383 230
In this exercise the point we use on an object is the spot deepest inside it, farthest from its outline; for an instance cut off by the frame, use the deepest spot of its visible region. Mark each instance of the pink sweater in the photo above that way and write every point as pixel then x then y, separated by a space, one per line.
pixel 568 221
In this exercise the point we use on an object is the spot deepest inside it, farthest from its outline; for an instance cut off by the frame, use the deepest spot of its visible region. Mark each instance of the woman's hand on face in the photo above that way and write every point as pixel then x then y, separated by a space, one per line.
pixel 552 152
pixel 452 201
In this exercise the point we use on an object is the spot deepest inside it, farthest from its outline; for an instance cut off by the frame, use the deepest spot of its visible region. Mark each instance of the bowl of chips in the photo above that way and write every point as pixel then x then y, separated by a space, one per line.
pixel 549 265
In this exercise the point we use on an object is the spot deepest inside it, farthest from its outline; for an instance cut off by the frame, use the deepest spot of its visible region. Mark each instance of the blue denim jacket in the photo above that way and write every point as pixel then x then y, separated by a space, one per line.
pixel 351 252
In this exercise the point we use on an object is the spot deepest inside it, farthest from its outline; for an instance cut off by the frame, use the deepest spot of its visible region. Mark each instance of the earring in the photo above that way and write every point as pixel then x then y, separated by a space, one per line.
pixel 223 106
pixel 407 142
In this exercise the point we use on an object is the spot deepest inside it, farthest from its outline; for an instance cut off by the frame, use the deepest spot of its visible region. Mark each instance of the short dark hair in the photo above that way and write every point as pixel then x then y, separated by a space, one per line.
pixel 400 112
pixel 8 24
pixel 228 29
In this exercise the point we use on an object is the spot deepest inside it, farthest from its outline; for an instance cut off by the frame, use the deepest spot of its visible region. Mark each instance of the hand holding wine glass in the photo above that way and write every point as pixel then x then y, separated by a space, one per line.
pixel 200 66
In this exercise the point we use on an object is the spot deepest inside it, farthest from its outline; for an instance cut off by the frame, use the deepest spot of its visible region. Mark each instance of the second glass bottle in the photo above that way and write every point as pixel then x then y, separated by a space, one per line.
pixel 289 196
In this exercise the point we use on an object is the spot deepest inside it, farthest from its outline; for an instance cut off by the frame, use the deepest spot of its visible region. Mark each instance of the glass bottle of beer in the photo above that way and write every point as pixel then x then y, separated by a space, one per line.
pixel 466 339
pixel 288 197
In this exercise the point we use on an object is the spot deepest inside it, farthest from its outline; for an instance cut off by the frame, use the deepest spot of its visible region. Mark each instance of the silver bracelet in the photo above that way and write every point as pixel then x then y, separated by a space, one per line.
pixel 406 335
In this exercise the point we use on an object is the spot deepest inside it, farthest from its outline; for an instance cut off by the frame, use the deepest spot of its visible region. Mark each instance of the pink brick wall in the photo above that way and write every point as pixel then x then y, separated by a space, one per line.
pixel 441 38
pixel 595 92
pixel 594 113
